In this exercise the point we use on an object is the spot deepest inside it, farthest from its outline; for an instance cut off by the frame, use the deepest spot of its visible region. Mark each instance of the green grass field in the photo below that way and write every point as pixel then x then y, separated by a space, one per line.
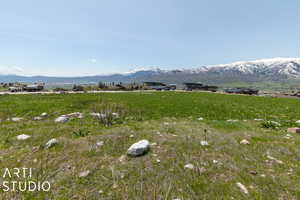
pixel 169 119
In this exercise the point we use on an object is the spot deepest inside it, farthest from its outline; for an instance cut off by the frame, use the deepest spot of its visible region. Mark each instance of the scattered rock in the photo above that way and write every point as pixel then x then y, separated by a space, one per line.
pixel 16 119
pixel 95 115
pixel 23 137
pixel 242 188
pixel 122 158
pixel 131 136
pixel 51 143
pixel 275 123
pixel 232 120
pixel 189 166
pixel 44 114
pixel 62 119
pixel 84 173
pixel 166 123
pixel 116 115
pixel 288 136
pixel 37 118
pixel 153 144
pixel 293 130
pixel 139 148
pixel 215 161
pixel 244 141
pixel 100 143
pixel 200 118
pixel 298 122
pixel 253 172
pixel 74 115
pixel 258 120
pixel 100 191
pixel 204 143
pixel 157 160
pixel 276 160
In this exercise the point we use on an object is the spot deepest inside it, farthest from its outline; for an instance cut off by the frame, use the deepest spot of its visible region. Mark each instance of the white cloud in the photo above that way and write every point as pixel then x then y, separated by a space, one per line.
pixel 5 70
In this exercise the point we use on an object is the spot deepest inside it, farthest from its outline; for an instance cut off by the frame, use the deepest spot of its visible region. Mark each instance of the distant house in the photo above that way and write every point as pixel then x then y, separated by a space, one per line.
pixel 248 91
pixel 160 86
pixel 200 86
pixel 34 87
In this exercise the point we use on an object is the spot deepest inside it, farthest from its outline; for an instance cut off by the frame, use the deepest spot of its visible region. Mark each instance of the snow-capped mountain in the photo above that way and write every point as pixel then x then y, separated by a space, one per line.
pixel 289 67
pixel 275 69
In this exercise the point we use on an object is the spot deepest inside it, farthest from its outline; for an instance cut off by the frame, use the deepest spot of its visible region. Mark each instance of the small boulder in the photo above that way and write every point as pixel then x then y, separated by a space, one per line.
pixel 244 141
pixel 258 119
pixel 139 148
pixel 51 143
pixel 62 119
pixel 242 188
pixel 44 114
pixel 189 166
pixel 274 159
pixel 37 118
pixel 16 119
pixel 204 143
pixel 232 120
pixel 23 137
pixel 84 174
pixel 298 121
pixel 288 136
pixel 200 119
pixel 100 143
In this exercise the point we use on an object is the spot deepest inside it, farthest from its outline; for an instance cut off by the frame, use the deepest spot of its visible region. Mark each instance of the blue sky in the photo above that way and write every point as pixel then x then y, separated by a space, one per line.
pixel 84 37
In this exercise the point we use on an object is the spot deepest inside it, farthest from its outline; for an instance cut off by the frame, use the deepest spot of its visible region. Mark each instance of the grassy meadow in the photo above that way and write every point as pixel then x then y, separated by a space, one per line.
pixel 268 167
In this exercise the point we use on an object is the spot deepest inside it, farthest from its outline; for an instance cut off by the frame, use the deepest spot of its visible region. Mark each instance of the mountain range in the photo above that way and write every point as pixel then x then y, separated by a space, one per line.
pixel 274 69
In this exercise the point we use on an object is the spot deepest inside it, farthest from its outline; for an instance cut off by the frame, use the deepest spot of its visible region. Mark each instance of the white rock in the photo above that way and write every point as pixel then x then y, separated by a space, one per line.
pixel 157 160
pixel 232 120
pixel 84 173
pixel 189 166
pixel 23 137
pixel 275 123
pixel 74 115
pixel 242 187
pixel 100 143
pixel 51 143
pixel 115 114
pixel 37 118
pixel 62 119
pixel 276 160
pixel 258 119
pixel 95 114
pixel 288 136
pixel 200 118
pixel 139 148
pixel 204 143
pixel 131 136
pixel 298 122
pixel 153 144
pixel 244 141
pixel 122 158
pixel 44 114
pixel 16 119
pixel 215 161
